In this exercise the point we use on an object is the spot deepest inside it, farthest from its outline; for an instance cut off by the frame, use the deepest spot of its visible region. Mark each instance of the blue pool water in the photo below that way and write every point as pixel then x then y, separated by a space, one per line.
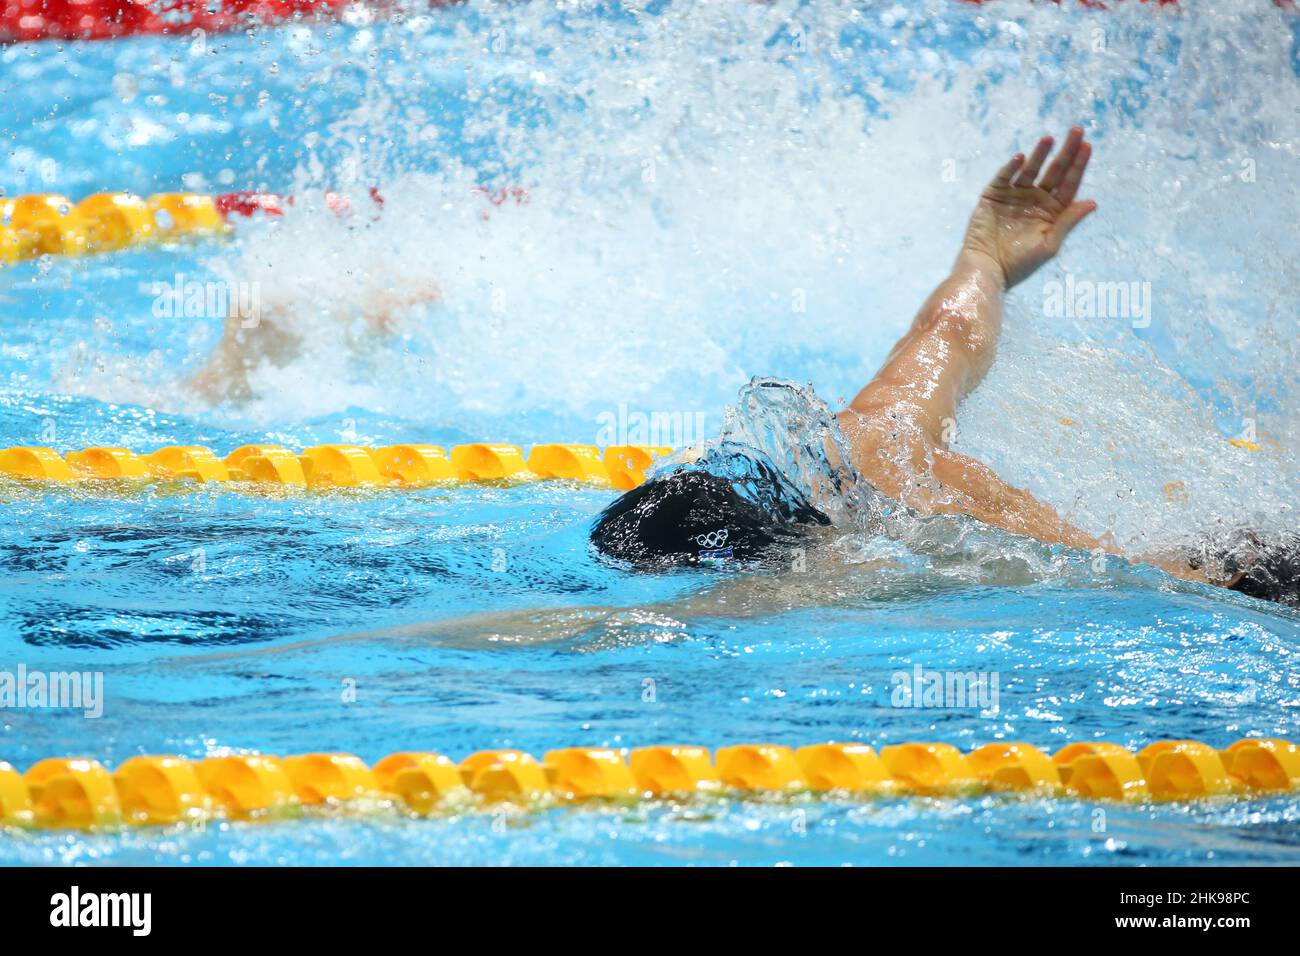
pixel 716 190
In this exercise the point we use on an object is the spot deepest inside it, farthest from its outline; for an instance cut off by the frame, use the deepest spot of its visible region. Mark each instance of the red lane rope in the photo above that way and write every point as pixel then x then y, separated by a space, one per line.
pixel 24 20
pixel 247 204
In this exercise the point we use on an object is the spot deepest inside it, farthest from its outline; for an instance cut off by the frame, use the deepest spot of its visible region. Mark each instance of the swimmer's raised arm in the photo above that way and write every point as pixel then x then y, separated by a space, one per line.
pixel 898 426
pixel 269 336
pixel 246 341
pixel 1016 227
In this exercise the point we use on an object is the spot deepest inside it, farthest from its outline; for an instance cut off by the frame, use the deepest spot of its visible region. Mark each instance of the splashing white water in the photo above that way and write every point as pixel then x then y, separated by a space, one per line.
pixel 724 189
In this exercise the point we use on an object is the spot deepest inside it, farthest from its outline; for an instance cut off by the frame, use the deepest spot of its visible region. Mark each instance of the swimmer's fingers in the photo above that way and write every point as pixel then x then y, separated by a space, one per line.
pixel 1073 214
pixel 1064 159
pixel 1003 179
pixel 1029 172
pixel 1069 186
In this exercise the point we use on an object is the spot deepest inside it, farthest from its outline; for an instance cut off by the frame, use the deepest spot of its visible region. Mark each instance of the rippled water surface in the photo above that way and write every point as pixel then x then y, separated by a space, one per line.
pixel 715 190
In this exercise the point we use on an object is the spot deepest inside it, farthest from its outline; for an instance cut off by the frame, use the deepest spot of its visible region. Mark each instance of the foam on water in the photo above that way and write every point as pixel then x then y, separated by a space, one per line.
pixel 725 189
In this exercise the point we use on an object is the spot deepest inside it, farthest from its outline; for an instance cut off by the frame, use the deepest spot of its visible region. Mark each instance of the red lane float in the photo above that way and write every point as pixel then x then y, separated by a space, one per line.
pixel 248 204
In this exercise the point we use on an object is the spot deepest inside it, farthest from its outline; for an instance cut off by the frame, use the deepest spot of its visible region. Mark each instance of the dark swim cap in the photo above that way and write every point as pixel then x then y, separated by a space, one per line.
pixel 693 516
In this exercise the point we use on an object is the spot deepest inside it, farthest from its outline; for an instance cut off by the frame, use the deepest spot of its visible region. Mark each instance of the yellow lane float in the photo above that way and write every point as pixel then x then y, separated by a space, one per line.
pixel 243 786
pixel 161 790
pixel 575 462
pixel 577 773
pixel 73 793
pixel 1177 769
pixel 413 464
pixel 187 461
pixel 266 464
pixel 628 465
pixel 109 463
pixel 423 781
pixel 759 767
pixel 1268 764
pixel 180 214
pixel 318 778
pixel 33 462
pixel 505 775
pixel 928 768
pixel 339 466
pixel 46 224
pixel 15 798
pixel 673 770
pixel 488 462
pixel 853 767
pixel 1014 766
pixel 116 220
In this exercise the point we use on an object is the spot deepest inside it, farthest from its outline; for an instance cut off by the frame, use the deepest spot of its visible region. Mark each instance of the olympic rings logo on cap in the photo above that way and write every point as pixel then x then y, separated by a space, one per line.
pixel 713 539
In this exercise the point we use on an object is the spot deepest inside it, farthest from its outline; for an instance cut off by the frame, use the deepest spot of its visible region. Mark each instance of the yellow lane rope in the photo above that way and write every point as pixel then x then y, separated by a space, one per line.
pixel 338 466
pixel 80 793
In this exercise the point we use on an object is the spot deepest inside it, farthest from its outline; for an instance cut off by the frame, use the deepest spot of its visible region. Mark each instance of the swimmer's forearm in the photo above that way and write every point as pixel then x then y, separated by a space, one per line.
pixel 975 279
pixel 945 353
pixel 972 488
pixel 970 310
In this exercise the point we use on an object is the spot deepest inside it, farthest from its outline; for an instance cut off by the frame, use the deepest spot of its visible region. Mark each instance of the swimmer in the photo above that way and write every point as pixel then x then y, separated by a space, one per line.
pixel 267 336
pixel 895 426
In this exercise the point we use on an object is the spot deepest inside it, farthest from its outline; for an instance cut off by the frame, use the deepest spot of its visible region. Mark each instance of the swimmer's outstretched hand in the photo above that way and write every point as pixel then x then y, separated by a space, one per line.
pixel 1019 224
